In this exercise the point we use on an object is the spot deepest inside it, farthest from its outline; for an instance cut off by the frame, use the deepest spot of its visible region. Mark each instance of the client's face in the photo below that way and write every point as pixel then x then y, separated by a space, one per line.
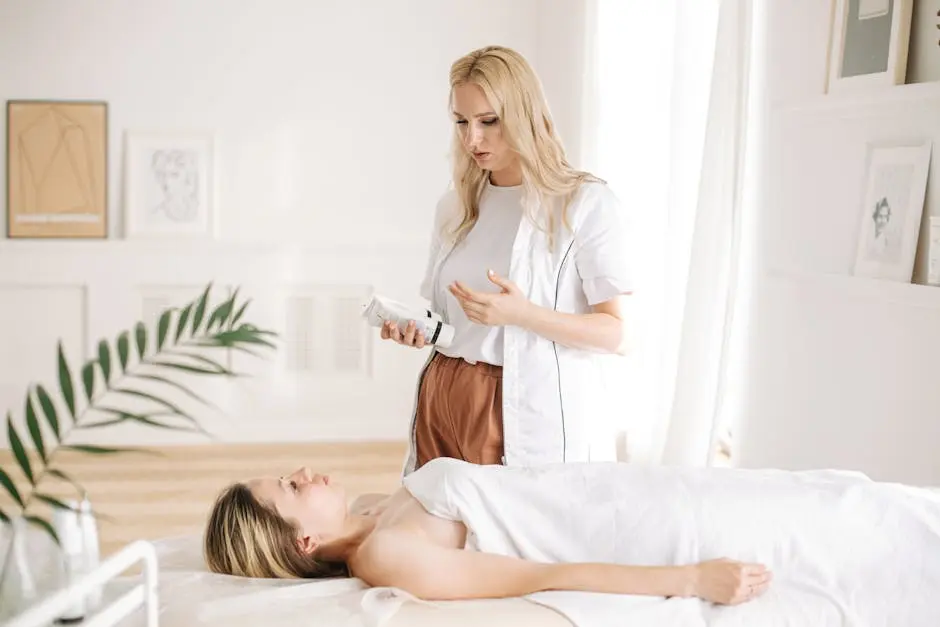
pixel 306 498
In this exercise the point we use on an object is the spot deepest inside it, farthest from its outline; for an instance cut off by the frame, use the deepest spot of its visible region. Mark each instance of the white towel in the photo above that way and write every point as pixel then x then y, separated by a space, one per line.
pixel 845 550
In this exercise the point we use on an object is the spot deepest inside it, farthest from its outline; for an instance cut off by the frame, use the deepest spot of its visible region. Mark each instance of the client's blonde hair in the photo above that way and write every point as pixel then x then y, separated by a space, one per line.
pixel 247 538
pixel 515 92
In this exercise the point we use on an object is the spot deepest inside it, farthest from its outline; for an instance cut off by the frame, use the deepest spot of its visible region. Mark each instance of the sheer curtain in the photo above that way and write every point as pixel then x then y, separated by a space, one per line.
pixel 665 125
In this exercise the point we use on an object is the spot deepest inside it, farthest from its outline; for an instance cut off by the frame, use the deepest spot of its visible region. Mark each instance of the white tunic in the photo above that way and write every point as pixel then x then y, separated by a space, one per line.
pixel 557 400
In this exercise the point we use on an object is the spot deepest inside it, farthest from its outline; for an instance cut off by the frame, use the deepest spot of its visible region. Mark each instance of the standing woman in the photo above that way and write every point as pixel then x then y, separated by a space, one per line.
pixel 529 263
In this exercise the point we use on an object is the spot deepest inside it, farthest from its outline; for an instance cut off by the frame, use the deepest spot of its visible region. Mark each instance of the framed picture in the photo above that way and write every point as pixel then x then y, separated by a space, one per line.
pixel 868 44
pixel 923 59
pixel 168 185
pixel 57 169
pixel 892 210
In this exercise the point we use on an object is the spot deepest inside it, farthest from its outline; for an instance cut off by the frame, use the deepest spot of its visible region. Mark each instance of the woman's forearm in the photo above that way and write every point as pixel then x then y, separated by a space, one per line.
pixel 598 332
pixel 666 581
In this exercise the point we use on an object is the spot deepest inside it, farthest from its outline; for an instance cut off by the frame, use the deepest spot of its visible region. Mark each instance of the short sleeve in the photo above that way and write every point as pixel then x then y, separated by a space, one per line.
pixel 603 250
pixel 442 213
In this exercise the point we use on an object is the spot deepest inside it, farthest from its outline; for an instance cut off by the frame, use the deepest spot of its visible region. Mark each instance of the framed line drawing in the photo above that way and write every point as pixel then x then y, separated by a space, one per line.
pixel 892 210
pixel 868 44
pixel 57 169
pixel 168 185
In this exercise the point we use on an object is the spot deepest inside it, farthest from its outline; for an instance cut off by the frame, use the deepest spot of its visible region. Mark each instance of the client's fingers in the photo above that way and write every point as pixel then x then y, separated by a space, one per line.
pixel 758 590
pixel 419 339
pixel 760 578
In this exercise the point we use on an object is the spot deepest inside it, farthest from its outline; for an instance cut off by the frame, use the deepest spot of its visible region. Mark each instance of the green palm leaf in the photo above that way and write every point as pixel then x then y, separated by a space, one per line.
pixel 65 383
pixel 39 522
pixel 181 321
pixel 200 311
pixel 220 315
pixel 199 325
pixel 32 424
pixel 186 367
pixel 88 380
pixel 18 451
pixel 54 502
pixel 210 363
pixel 143 419
pixel 7 483
pixel 97 450
pixel 162 327
pixel 155 399
pixel 140 337
pixel 174 384
pixel 58 474
pixel 123 349
pixel 45 526
pixel 238 314
pixel 104 360
pixel 48 408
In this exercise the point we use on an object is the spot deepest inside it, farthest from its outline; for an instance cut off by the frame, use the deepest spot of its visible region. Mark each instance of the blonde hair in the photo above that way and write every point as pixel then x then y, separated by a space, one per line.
pixel 515 92
pixel 247 538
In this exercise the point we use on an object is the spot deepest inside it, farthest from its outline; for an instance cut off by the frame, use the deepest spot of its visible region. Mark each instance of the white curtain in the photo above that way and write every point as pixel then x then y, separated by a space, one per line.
pixel 665 124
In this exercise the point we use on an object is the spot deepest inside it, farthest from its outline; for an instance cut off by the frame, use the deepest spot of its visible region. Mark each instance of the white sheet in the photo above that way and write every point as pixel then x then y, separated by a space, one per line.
pixel 190 596
pixel 846 551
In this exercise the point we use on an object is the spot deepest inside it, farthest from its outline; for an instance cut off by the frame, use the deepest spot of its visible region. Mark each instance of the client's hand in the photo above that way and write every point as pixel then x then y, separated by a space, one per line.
pixel 410 337
pixel 728 582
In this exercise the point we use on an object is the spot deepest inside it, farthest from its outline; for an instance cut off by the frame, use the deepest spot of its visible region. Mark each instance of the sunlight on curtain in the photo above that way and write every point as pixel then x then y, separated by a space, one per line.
pixel 657 122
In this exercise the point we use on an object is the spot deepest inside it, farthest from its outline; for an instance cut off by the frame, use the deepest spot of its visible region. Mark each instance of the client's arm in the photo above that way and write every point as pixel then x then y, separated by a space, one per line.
pixel 406 561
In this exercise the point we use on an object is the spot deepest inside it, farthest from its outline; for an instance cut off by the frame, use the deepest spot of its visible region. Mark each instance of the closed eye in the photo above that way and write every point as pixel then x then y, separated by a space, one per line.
pixel 487 122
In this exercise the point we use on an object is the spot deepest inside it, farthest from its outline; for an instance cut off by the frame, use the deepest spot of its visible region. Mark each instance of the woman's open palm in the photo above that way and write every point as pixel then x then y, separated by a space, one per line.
pixel 507 307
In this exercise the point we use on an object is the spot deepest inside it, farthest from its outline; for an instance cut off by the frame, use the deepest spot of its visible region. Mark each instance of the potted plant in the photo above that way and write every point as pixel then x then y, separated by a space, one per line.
pixel 142 366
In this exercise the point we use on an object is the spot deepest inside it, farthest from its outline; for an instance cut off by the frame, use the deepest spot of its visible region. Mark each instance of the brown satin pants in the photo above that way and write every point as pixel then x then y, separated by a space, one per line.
pixel 459 412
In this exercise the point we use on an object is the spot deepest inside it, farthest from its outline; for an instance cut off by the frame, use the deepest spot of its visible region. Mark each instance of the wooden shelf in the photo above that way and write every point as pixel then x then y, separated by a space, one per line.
pixel 899 95
pixel 882 291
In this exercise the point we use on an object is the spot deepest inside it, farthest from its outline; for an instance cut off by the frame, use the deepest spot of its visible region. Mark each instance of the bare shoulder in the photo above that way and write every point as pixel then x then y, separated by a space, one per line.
pixel 379 560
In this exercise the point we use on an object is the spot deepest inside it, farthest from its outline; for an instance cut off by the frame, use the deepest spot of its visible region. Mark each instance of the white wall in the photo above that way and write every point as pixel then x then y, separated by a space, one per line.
pixel 332 137
pixel 841 371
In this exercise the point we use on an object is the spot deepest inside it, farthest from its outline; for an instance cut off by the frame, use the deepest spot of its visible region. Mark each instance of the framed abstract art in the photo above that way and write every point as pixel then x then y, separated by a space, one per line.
pixel 57 169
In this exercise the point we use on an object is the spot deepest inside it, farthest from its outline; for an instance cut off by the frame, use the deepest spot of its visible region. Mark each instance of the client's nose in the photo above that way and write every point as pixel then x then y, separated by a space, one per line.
pixel 302 474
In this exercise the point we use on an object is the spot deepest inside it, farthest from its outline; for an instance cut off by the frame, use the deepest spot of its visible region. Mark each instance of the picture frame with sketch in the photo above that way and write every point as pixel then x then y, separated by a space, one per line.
pixel 168 185
pixel 895 188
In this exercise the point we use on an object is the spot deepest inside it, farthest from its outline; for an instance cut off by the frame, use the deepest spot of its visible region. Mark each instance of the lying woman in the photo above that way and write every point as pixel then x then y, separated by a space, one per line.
pixel 459 531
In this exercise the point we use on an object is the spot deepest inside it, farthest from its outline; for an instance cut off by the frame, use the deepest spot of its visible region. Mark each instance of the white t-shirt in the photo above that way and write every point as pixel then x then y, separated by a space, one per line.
pixel 488 246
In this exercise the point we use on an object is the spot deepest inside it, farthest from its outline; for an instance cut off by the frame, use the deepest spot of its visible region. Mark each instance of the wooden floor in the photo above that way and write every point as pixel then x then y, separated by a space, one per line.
pixel 169 493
